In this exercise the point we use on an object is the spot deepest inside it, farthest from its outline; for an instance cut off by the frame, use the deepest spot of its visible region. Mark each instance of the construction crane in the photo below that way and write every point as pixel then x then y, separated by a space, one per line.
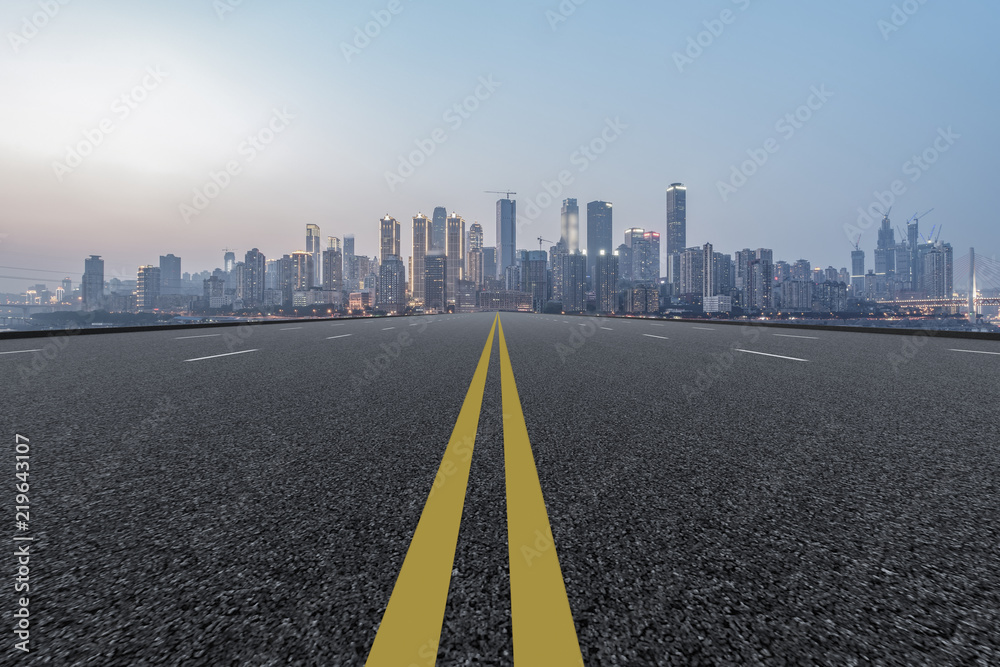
pixel 541 241
pixel 916 218
pixel 857 242
pixel 506 193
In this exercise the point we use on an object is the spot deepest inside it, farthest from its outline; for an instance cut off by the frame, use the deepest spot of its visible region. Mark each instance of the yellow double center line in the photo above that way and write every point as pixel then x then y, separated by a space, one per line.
pixel 544 633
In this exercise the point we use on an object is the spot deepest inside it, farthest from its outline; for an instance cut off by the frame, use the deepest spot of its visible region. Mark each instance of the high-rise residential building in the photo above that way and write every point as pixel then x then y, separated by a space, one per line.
pixel 170 274
pixel 692 273
pixel 350 264
pixel 534 278
pixel 391 294
pixel 475 273
pixel 761 282
pixel 333 266
pixel 651 259
pixel 606 282
pixel 574 282
pixel 475 236
pixel 389 239
pixel 254 271
pixel 708 271
pixel 147 287
pixel 569 225
pixel 92 287
pixel 802 270
pixel 456 253
pixel 913 244
pixel 228 261
pixel 556 255
pixel 422 237
pixel 489 263
pixel 625 271
pixel 436 268
pixel 723 281
pixel 314 246
pixel 506 235
pixel 303 272
pixel 637 253
pixel 439 230
pixel 600 232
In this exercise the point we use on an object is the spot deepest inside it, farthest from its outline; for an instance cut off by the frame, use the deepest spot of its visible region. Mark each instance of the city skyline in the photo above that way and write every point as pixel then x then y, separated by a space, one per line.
pixel 190 113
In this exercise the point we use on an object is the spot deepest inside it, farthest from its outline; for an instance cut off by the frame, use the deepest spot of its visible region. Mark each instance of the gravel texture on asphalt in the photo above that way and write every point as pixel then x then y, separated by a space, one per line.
pixel 709 506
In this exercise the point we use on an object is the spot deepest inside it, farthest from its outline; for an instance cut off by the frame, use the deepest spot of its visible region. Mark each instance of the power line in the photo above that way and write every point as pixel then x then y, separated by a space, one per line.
pixel 22 268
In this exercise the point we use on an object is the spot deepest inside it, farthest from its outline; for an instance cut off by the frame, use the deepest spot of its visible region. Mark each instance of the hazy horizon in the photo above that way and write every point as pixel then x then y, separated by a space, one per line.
pixel 200 76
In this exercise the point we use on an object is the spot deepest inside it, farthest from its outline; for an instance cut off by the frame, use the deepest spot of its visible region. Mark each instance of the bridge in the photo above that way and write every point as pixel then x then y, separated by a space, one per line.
pixel 981 272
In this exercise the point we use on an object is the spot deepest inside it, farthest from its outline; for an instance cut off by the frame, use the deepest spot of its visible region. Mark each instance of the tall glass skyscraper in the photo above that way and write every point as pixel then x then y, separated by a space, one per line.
pixel 506 235
pixel 439 229
pixel 599 232
pixel 418 277
pixel 676 218
pixel 570 225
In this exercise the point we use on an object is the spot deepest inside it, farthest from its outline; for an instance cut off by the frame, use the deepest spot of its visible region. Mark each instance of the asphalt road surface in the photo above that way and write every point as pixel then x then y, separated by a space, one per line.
pixel 716 494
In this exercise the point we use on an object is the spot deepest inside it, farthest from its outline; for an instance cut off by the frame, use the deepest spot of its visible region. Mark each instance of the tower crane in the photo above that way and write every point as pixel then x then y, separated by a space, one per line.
pixel 506 193
pixel 541 241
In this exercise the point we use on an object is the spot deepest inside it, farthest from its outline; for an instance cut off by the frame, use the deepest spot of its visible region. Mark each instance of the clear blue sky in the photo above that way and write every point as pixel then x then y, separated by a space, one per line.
pixel 221 79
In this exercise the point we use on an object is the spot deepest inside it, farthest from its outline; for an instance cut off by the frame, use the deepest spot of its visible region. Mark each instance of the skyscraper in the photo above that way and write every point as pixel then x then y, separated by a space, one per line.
pixel 228 261
pixel 254 264
pixel 391 296
pixel 389 240
pixel 303 272
pixel 570 225
pixel 534 278
pixel 333 266
pixel 456 253
pixel 314 247
pixel 599 232
pixel 435 296
pixel 708 268
pixel 885 255
pixel 506 235
pixel 574 282
pixel 147 287
pixel 489 263
pixel 651 263
pixel 676 218
pixel 422 233
pixel 170 274
pixel 475 236
pixel 606 282
pixel 439 229
pixel 350 263
pixel 92 287
pixel 475 273
pixel 858 272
